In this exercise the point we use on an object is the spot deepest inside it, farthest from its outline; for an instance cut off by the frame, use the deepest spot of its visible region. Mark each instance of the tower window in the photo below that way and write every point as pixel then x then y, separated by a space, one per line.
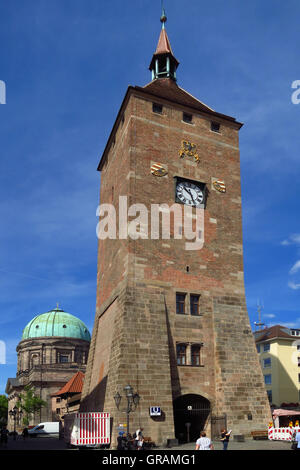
pixel 195 355
pixel 157 108
pixel 180 303
pixel 215 126
pixel 187 118
pixel 181 354
pixel 194 304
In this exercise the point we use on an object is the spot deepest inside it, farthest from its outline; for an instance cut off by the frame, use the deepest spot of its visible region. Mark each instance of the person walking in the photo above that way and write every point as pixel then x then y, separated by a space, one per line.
pixel 121 440
pixel 297 440
pixel 225 436
pixel 204 443
pixel 4 436
pixel 138 437
pixel 25 433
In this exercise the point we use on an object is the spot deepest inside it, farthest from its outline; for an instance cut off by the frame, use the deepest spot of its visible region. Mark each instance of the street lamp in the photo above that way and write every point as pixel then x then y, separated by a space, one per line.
pixel 133 400
pixel 14 413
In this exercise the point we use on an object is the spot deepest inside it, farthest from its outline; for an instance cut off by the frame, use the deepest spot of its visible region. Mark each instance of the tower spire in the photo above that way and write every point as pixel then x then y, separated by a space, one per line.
pixel 163 63
pixel 163 18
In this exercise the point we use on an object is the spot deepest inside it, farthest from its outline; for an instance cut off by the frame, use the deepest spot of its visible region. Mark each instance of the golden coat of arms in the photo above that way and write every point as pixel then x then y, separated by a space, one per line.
pixel 188 149
pixel 158 170
pixel 219 185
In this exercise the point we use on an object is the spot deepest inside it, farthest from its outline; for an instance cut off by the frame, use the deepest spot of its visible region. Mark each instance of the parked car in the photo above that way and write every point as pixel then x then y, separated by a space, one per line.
pixel 48 429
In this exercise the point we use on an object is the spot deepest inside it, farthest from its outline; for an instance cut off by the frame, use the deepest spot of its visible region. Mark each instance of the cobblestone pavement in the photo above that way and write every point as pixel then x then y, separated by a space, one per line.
pixel 48 444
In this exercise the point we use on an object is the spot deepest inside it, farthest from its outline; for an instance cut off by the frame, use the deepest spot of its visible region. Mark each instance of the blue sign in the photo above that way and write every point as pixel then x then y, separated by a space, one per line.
pixel 155 411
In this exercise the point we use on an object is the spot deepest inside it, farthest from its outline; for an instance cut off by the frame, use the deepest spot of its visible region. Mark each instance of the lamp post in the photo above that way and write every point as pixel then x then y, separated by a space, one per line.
pixel 15 413
pixel 133 400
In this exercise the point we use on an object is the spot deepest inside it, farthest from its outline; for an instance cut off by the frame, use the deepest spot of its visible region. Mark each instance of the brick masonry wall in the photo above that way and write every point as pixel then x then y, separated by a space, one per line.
pixel 148 273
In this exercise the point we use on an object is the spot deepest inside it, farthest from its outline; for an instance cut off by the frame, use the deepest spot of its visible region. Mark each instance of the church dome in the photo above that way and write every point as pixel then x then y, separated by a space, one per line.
pixel 56 322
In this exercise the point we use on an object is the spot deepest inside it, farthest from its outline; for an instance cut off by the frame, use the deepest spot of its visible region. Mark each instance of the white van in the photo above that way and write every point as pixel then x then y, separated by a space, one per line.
pixel 46 430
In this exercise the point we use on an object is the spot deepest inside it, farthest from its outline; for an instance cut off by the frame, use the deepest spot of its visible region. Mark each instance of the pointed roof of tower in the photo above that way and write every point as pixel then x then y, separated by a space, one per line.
pixel 163 45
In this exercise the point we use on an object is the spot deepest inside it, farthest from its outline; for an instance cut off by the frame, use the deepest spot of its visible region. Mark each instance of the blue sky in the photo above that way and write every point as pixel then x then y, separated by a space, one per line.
pixel 66 65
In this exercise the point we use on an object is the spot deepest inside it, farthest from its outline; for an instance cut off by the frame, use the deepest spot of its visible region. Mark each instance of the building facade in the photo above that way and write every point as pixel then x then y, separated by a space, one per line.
pixel 279 354
pixel 171 319
pixel 54 346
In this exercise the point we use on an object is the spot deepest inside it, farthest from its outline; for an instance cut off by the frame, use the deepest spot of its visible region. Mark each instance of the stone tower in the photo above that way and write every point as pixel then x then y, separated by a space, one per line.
pixel 171 318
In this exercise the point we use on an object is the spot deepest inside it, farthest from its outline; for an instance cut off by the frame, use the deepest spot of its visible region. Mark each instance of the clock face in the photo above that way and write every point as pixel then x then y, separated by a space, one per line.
pixel 189 193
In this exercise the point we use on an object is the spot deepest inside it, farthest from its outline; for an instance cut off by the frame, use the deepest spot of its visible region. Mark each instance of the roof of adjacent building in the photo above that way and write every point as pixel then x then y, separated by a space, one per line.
pixel 56 322
pixel 276 331
pixel 74 385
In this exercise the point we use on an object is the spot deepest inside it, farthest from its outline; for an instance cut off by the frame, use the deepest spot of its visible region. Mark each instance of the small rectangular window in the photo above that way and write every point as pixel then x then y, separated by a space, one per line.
pixel 181 354
pixel 180 303
pixel 267 362
pixel 157 108
pixel 57 411
pixel 194 304
pixel 187 118
pixel 258 348
pixel 268 379
pixel 215 126
pixel 266 347
pixel 195 355
pixel 57 400
pixel 63 358
pixel 269 393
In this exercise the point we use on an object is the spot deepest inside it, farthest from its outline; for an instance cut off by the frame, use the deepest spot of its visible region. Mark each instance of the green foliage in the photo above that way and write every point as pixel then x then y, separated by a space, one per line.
pixel 3 410
pixel 29 403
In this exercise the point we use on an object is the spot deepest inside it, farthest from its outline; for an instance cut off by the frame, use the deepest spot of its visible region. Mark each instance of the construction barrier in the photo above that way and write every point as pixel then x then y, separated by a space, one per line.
pixel 282 434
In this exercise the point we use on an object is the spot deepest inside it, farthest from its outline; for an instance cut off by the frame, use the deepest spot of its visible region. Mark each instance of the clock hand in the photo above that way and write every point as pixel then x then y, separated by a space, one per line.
pixel 190 193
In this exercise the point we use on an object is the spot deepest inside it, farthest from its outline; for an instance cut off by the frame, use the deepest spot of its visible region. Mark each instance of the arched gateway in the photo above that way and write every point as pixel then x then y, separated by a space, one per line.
pixel 191 414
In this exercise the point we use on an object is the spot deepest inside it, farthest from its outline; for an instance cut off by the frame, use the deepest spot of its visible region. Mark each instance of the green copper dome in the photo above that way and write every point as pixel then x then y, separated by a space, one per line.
pixel 56 323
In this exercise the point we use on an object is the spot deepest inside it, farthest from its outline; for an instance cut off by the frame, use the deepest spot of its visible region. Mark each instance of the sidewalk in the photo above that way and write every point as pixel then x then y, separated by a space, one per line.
pixel 249 444
pixel 48 444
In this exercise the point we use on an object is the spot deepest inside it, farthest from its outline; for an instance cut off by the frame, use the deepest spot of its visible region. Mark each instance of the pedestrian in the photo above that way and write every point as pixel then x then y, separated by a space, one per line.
pixel 138 436
pixel 25 433
pixel 140 442
pixel 4 435
pixel 204 443
pixel 297 441
pixel 121 441
pixel 225 436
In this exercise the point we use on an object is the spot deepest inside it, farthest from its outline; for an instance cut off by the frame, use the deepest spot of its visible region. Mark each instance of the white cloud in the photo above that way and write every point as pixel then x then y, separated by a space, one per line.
pixel 293 239
pixel 295 268
pixel 293 285
pixel 269 315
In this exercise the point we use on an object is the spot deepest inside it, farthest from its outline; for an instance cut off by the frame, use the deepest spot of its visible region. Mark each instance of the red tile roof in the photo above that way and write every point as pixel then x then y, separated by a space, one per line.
pixel 74 385
pixel 168 89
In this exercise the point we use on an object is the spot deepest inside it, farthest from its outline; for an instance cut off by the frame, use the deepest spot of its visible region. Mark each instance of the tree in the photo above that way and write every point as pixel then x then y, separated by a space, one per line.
pixel 29 403
pixel 3 410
